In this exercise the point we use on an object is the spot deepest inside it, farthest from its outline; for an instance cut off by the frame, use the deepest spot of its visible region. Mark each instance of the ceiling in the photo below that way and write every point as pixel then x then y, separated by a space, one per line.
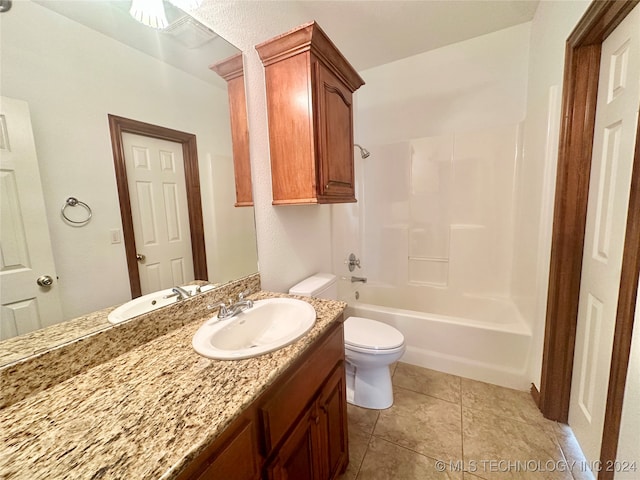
pixel 368 32
pixel 175 45
pixel 375 32
pixel 379 32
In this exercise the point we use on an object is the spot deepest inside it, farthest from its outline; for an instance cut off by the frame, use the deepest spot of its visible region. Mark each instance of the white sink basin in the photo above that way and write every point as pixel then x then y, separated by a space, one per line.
pixel 267 326
pixel 145 304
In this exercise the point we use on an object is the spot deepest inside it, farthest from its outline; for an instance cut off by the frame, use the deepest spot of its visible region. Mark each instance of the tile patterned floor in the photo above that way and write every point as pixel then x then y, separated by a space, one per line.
pixel 444 427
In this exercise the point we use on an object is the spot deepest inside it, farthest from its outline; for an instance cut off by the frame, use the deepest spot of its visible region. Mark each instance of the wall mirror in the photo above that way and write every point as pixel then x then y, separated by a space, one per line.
pixel 74 62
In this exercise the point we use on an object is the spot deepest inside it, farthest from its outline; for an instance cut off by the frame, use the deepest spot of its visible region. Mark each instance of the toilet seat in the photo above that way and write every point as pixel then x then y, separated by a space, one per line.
pixel 370 336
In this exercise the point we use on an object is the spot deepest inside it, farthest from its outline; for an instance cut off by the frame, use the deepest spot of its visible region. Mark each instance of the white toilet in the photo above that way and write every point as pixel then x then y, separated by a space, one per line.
pixel 370 347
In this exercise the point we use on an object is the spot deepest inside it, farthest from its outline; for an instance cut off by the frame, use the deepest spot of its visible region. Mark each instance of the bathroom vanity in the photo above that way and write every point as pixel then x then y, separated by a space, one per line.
pixel 295 429
pixel 161 411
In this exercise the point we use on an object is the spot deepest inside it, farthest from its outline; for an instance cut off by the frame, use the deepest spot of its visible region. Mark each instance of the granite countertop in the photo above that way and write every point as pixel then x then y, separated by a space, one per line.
pixel 144 414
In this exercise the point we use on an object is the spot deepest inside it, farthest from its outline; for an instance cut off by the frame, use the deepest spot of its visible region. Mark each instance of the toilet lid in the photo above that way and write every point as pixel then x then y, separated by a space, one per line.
pixel 370 334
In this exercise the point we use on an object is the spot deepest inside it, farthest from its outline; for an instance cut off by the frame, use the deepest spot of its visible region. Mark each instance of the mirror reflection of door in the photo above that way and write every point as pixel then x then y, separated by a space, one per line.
pixel 158 198
pixel 160 206
pixel 25 247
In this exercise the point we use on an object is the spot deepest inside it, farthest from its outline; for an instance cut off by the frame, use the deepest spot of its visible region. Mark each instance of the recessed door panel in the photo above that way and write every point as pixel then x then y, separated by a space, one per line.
pixel 13 241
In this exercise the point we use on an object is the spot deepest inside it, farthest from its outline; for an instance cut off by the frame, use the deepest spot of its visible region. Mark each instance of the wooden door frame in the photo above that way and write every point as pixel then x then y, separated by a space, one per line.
pixel 582 68
pixel 120 125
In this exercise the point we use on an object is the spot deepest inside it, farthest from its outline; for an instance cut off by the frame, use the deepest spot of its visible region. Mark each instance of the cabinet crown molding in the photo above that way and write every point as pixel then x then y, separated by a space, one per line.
pixel 229 68
pixel 310 37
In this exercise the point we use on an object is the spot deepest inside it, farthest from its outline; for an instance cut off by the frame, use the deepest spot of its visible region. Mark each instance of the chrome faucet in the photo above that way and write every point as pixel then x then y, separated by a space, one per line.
pixel 358 279
pixel 234 308
pixel 179 292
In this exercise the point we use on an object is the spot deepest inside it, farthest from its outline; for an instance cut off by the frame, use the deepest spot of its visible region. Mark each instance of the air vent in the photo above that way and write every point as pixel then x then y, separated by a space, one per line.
pixel 189 32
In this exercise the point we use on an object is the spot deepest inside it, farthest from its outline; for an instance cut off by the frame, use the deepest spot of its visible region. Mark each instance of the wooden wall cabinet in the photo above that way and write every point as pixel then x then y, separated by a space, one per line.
pixel 309 86
pixel 231 69
pixel 297 429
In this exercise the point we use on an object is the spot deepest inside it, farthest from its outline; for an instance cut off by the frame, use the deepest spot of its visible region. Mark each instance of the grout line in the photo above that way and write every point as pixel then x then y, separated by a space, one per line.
pixel 375 423
pixel 532 423
pixel 409 449
pixel 366 450
pixel 427 395
pixel 559 444
pixel 461 429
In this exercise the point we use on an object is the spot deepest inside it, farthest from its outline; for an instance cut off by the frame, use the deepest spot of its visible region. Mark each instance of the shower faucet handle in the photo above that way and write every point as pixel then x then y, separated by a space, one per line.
pixel 352 262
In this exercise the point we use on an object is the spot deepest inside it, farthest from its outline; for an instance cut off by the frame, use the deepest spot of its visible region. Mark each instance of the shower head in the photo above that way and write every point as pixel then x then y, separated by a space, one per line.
pixel 364 153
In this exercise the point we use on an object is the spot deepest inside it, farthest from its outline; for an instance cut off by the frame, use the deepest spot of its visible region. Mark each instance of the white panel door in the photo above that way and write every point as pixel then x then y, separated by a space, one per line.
pixel 613 149
pixel 25 245
pixel 158 195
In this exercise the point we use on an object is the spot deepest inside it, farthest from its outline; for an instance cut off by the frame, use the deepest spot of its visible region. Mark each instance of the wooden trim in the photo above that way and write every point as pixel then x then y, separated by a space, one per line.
pixel 535 394
pixel 624 323
pixel 232 70
pixel 305 38
pixel 572 190
pixel 600 19
pixel 229 68
pixel 120 125
pixel 574 165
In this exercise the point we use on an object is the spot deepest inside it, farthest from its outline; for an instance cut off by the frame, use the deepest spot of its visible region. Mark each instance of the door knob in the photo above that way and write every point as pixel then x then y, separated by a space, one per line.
pixel 45 281
pixel 140 257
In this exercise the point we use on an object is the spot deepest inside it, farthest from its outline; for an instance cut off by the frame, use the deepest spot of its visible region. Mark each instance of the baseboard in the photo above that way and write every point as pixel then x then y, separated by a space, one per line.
pixel 535 394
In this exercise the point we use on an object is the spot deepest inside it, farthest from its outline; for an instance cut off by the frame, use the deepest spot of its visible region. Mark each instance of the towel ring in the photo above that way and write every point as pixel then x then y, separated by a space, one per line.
pixel 74 202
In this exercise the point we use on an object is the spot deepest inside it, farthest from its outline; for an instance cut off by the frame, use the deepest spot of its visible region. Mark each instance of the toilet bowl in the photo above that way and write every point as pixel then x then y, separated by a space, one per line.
pixel 370 348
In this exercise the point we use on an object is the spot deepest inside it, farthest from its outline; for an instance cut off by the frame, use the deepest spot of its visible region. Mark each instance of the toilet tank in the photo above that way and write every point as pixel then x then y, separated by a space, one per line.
pixel 320 285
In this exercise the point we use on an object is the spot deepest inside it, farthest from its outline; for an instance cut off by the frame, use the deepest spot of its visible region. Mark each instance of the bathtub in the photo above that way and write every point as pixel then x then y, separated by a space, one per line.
pixel 483 338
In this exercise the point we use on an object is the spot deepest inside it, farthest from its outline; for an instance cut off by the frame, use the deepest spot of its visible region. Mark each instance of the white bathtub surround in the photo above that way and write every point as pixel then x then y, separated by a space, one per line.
pixel 437 248
pixel 438 211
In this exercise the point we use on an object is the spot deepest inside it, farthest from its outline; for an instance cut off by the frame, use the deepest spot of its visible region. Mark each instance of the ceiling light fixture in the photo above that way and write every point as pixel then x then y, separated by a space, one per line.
pixel 151 12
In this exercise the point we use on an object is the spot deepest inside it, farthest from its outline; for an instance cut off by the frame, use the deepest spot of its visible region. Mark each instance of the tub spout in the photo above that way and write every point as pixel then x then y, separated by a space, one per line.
pixel 359 279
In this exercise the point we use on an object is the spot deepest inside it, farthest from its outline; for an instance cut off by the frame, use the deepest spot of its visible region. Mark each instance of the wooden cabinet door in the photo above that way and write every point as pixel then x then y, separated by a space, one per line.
pixel 232 70
pixel 334 117
pixel 333 424
pixel 298 457
pixel 236 458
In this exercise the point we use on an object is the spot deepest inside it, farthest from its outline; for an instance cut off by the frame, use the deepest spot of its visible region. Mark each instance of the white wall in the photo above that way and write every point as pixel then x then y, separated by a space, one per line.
pixel 72 77
pixel 466 86
pixel 550 28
